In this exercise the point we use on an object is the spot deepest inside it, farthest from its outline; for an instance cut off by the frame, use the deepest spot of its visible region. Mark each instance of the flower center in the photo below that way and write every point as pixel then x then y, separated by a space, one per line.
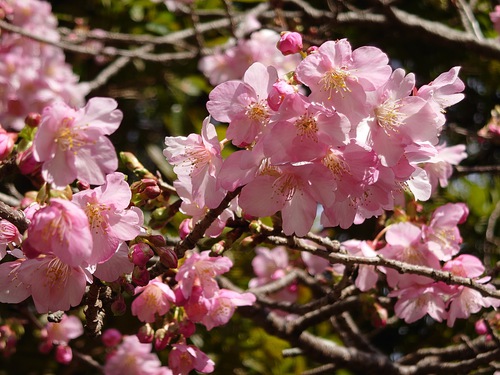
pixel 336 164
pixel 335 81
pixel 307 126
pixel 257 112
pixel 96 219
pixel 286 186
pixel 57 273
pixel 388 116
pixel 69 139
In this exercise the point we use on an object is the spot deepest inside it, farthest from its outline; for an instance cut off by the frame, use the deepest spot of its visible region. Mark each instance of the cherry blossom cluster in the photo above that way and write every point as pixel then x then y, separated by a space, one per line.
pixel 32 74
pixel 434 244
pixel 344 131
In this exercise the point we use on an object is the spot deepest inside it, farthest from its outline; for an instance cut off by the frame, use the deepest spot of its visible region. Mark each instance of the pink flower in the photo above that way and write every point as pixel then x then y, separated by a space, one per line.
pixel 111 337
pixel 440 167
pixel 114 267
pixel 197 160
pixel 60 334
pixel 415 302
pixel 367 275
pixel 134 358
pixel 221 307
pixel 295 189
pixel 110 221
pixel 495 18
pixel 200 270
pixel 468 301
pixel 184 358
pixel 290 43
pixel 9 237
pixel 444 91
pixel 60 228
pixel 72 144
pixel 7 141
pixel 443 231
pixel 339 76
pixel 152 299
pixel 53 284
pixel 404 243
pixel 270 265
pixel 244 104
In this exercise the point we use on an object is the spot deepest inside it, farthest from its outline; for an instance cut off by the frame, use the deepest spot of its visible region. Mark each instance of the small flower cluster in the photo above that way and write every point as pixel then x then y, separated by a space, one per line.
pixel 363 136
pixel 32 74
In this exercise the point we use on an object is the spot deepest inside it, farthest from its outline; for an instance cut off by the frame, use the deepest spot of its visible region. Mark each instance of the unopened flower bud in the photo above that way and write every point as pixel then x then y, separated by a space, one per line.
pixel 187 328
pixel 140 276
pixel 379 316
pixel 146 334
pixel 162 339
pixel 185 228
pixel 63 354
pixel 7 141
pixel 82 185
pixel 167 256
pixel 290 42
pixel 311 50
pixel 219 247
pixel 156 240
pixel 119 307
pixel 111 337
pixel 33 119
pixel 481 327
pixel 140 253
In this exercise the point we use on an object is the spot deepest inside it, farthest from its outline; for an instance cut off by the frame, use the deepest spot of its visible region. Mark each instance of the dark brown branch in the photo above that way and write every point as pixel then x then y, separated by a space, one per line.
pixel 16 217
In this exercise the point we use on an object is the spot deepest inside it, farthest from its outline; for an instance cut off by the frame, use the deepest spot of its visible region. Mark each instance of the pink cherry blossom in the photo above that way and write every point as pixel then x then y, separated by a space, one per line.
pixel 197 160
pixel 243 104
pixel 295 189
pixel 415 302
pixel 60 334
pixel 339 76
pixel 221 307
pixel 119 264
pixel 53 284
pixel 9 237
pixel 270 265
pixel 440 167
pixel 132 357
pixel 404 243
pixel 152 299
pixel 201 269
pixel 184 358
pixel 73 144
pixel 60 228
pixel 7 141
pixel 367 275
pixel 443 231
pixel 111 221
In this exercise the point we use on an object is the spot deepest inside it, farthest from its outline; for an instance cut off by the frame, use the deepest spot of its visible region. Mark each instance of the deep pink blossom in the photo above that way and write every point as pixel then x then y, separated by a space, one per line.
pixel 200 269
pixel 221 307
pixel 243 104
pixel 151 300
pixel 9 237
pixel 111 221
pixel 7 141
pixel 73 144
pixel 197 160
pixel 132 357
pixel 60 228
pixel 184 358
pixel 415 302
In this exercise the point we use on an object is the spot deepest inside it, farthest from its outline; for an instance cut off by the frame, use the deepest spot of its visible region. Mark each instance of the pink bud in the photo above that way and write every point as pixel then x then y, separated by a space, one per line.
pixel 140 253
pixel 290 43
pixel 481 328
pixel 187 328
pixel 27 163
pixel 156 240
pixel 162 339
pixel 33 119
pixel 111 337
pixel 278 93
pixel 311 50
pixel 64 354
pixel 119 307
pixel 185 228
pixel 167 256
pixel 140 276
pixel 7 141
pixel 146 334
